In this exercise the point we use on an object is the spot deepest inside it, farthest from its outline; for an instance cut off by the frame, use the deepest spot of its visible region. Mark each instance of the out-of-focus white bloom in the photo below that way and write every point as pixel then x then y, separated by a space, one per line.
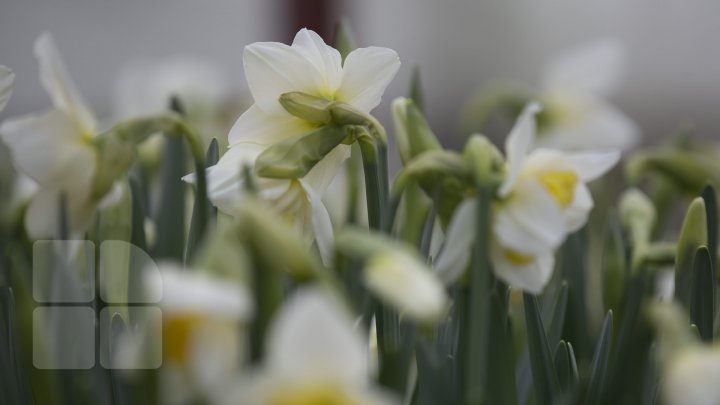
pixel 55 150
pixel 403 281
pixel 574 89
pixel 692 376
pixel 542 199
pixel 7 81
pixel 203 318
pixel 312 67
pixel 314 356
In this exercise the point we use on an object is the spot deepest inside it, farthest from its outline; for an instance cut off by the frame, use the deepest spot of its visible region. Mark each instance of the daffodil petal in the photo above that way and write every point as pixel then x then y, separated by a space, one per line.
pixel 321 224
pixel 323 173
pixel 263 128
pixel 366 74
pixel 576 214
pixel 531 221
pixel 595 67
pixel 691 377
pixel 312 336
pixel 588 166
pixel 7 80
pixel 48 148
pixel 531 277
pixel 517 145
pixel 455 254
pixel 273 68
pixel 325 58
pixel 41 218
pixel 57 82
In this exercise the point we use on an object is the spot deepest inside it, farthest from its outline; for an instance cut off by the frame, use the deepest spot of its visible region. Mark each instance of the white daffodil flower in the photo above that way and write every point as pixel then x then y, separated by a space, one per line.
pixel 542 199
pixel 312 67
pixel 54 149
pixel 314 355
pixel 403 281
pixel 202 323
pixel 574 89
pixel 692 376
pixel 7 81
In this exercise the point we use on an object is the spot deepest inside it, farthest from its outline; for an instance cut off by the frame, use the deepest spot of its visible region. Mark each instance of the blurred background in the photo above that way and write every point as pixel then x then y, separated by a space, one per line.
pixel 672 75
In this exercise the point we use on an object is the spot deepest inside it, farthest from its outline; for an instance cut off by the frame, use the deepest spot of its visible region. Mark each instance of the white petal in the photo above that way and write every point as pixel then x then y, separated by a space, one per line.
pixel 257 126
pixel 113 197
pixel 57 82
pixel 7 80
pixel 272 68
pixel 455 254
pixel 576 214
pixel 403 281
pixel 323 173
pixel 591 124
pixel 692 377
pixel 588 166
pixel 311 336
pixel 366 74
pixel 321 225
pixel 595 67
pixel 530 221
pixel 325 58
pixel 42 216
pixel 517 145
pixel 49 148
pixel 531 277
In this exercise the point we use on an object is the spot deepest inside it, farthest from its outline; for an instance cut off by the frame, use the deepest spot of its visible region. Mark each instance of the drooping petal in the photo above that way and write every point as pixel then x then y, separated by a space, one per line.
pixel 531 221
pixel 366 74
pixel 517 146
pixel 455 254
pixel 576 214
pixel 311 336
pixel 321 224
pixel 531 275
pixel 403 281
pixel 325 58
pixel 273 68
pixel 323 173
pixel 258 126
pixel 49 149
pixel 595 67
pixel 57 82
pixel 7 80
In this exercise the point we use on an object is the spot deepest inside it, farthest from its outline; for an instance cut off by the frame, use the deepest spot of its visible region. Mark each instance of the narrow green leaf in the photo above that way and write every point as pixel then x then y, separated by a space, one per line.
pixel 344 40
pixel 692 235
pixel 573 363
pixel 545 379
pixel 203 211
pixel 554 331
pixel 599 365
pixel 435 377
pixel 501 381
pixel 614 265
pixel 139 213
pixel 562 366
pixel 572 267
pixel 711 212
pixel 170 218
pixel 416 93
pixel 702 304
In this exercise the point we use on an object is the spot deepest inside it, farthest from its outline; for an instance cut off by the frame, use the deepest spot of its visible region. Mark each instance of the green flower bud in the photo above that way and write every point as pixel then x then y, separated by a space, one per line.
pixel 412 132
pixel 485 159
pixel 689 171
pixel 637 214
pixel 307 107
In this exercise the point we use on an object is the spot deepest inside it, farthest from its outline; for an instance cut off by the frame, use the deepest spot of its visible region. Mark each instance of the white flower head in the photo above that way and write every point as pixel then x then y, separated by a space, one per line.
pixel 403 281
pixel 314 355
pixel 312 67
pixel 542 199
pixel 54 149
pixel 574 89
pixel 692 377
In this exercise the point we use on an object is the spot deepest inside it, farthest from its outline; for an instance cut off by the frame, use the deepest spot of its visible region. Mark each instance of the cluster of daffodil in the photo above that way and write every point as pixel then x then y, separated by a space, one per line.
pixel 477 276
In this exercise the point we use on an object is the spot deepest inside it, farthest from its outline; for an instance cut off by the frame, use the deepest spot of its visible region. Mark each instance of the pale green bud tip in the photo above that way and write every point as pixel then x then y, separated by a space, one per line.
pixel 307 107
pixel 694 228
pixel 636 208
pixel 485 159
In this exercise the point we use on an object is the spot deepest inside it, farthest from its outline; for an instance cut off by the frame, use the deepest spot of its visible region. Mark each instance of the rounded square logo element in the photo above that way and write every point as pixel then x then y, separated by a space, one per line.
pixel 132 344
pixel 63 338
pixel 63 271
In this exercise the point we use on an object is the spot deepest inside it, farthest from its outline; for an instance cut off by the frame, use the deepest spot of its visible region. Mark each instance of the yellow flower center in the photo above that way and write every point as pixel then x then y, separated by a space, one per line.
pixel 560 184
pixel 517 258
pixel 176 337
pixel 313 394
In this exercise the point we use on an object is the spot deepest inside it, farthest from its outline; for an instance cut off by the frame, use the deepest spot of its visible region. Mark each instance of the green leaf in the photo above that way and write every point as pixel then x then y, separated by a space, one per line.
pixel 294 157
pixel 501 381
pixel 562 366
pixel 170 219
pixel 692 235
pixel 554 331
pixel 572 267
pixel 204 212
pixel 599 365
pixel 416 93
pixel 614 265
pixel 12 381
pixel 711 212
pixel 545 379
pixel 344 41
pixel 702 304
